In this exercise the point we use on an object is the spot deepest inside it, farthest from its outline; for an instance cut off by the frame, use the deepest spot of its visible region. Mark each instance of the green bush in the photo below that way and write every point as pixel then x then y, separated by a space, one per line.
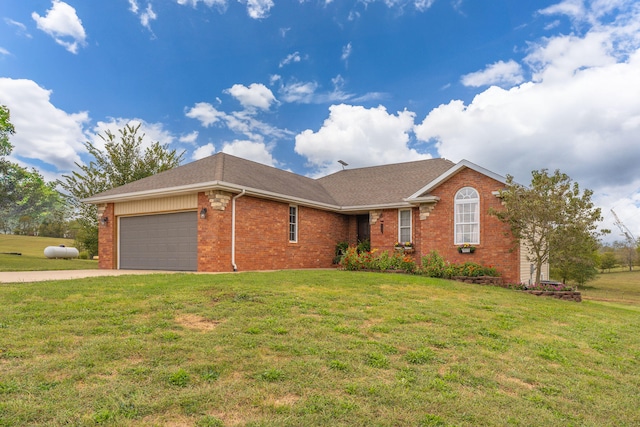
pixel 433 265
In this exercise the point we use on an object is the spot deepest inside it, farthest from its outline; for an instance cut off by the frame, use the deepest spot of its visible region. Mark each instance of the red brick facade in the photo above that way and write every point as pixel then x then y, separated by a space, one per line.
pixel 262 232
pixel 107 239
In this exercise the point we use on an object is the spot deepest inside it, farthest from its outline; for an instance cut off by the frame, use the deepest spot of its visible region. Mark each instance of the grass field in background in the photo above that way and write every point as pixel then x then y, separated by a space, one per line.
pixel 32 254
pixel 619 287
pixel 311 348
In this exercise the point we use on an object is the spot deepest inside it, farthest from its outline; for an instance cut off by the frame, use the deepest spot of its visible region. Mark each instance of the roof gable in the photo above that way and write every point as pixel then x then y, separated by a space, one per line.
pixel 424 191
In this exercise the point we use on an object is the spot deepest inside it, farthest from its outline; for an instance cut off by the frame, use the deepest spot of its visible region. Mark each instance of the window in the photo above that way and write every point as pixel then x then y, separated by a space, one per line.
pixel 467 218
pixel 293 223
pixel 404 226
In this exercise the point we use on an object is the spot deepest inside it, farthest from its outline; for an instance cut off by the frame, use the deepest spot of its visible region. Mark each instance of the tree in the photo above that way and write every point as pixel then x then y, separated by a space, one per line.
pixel 6 129
pixel 122 161
pixel 607 261
pixel 627 253
pixel 551 216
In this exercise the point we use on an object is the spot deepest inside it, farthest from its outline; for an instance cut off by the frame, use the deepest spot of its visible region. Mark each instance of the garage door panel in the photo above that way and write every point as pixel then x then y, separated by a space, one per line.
pixel 159 242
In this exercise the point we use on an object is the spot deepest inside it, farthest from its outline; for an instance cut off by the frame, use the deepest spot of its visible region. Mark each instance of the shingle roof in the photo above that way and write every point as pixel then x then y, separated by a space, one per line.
pixel 367 186
pixel 378 185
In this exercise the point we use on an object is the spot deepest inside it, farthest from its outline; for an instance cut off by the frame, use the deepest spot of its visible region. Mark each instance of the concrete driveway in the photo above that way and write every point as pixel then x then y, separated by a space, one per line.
pixel 39 276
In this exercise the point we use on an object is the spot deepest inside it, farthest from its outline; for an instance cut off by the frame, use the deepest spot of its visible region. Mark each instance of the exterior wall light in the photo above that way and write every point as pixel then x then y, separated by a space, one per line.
pixel 105 220
pixel 203 213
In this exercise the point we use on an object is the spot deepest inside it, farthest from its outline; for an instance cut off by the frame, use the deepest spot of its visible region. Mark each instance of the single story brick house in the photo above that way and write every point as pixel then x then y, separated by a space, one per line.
pixel 223 213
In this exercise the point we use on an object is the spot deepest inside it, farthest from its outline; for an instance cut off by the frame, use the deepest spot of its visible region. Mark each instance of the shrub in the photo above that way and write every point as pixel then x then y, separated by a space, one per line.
pixel 433 265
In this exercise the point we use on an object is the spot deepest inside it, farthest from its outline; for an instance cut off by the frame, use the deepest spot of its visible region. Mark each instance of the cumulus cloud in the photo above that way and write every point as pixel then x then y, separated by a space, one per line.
pixel 255 96
pixel 43 132
pixel 360 136
pixel 579 113
pixel 256 151
pixel 203 151
pixel 500 74
pixel 62 23
pixel 206 113
pixel 189 138
pixel 150 132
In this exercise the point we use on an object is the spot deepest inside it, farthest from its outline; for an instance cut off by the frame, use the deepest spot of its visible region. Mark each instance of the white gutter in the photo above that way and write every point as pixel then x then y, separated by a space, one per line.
pixel 233 229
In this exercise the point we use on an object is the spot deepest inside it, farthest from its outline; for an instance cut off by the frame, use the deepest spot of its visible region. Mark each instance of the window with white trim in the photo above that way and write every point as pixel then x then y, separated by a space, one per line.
pixel 467 216
pixel 404 225
pixel 293 223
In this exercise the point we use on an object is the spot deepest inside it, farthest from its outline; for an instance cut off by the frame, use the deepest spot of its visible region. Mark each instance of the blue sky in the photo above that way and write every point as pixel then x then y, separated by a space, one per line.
pixel 510 85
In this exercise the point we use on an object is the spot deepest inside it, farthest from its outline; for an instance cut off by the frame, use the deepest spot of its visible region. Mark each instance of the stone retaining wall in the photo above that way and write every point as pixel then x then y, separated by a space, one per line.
pixel 497 281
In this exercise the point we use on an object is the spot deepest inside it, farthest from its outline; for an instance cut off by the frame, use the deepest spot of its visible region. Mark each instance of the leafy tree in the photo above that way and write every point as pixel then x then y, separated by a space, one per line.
pixel 551 216
pixel 122 161
pixel 627 253
pixel 6 129
pixel 27 200
pixel 607 261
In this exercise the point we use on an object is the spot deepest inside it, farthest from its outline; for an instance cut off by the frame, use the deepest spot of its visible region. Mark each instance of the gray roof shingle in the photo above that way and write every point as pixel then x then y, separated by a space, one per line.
pixel 366 186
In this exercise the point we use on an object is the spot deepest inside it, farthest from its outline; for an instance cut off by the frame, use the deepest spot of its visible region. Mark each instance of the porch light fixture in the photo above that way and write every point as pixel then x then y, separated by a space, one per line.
pixel 203 213
pixel 105 220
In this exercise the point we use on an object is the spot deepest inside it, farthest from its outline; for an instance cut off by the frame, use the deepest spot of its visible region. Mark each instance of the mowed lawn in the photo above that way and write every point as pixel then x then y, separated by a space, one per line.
pixel 311 348
pixel 31 250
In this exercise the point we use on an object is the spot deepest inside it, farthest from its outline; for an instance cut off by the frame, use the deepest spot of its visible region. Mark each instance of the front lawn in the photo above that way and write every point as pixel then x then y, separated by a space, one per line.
pixel 311 348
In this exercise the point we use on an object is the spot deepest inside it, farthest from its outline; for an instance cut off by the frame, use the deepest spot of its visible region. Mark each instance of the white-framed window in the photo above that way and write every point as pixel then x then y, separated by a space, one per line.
pixel 467 216
pixel 404 225
pixel 293 223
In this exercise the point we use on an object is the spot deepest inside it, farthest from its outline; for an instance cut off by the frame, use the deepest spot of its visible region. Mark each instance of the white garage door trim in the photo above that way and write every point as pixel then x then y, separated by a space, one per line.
pixel 158 242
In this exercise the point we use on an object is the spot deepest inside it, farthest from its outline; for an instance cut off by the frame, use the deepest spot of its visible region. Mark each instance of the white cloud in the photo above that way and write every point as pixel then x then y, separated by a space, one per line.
pixel 250 150
pixel 205 113
pixel 500 73
pixel 301 92
pixel 292 57
pixel 189 138
pixel 258 9
pixel 4 51
pixel 580 114
pixel 346 52
pixel 43 132
pixel 255 96
pixel 359 136
pixel 209 3
pixel 62 23
pixel 22 29
pixel 133 6
pixel 241 122
pixel 145 17
pixel 151 132
pixel 203 151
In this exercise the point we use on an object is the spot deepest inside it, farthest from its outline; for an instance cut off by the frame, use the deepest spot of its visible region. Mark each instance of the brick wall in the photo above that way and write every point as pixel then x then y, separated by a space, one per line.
pixel 107 238
pixel 495 249
pixel 262 236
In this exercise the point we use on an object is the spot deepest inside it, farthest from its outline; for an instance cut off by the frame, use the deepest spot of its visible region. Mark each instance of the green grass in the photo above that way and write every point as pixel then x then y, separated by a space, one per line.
pixel 32 254
pixel 312 348
pixel 619 287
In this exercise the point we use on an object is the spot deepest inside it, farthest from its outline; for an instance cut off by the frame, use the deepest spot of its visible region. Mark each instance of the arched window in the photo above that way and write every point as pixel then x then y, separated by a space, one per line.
pixel 467 216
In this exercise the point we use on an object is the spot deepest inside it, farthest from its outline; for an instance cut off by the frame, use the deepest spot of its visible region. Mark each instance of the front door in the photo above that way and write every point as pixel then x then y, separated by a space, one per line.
pixel 364 230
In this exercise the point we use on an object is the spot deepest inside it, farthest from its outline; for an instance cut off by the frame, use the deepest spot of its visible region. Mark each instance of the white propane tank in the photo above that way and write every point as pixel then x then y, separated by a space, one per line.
pixel 60 252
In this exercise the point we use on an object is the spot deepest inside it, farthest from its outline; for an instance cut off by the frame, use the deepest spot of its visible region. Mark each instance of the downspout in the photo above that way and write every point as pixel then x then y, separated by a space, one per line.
pixel 233 229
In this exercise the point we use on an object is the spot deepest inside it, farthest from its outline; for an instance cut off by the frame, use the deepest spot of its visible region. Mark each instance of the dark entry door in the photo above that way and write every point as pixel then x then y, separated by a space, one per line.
pixel 364 230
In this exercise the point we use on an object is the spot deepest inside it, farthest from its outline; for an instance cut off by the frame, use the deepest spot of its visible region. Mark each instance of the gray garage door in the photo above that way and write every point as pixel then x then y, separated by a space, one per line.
pixel 159 242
